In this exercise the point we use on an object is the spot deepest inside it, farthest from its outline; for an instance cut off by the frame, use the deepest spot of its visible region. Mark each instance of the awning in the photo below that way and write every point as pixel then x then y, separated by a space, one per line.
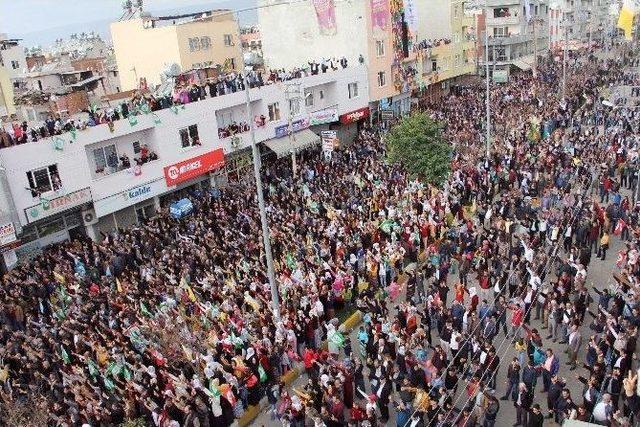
pixel 297 142
pixel 523 65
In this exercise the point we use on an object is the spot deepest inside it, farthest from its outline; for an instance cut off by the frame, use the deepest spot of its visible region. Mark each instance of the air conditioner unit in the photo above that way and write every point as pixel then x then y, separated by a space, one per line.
pixel 89 217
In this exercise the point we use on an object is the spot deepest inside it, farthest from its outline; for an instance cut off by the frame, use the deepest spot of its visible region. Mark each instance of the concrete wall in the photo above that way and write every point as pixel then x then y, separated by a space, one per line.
pixel 291 35
pixel 218 53
pixel 6 94
pixel 15 53
pixel 149 51
pixel 434 19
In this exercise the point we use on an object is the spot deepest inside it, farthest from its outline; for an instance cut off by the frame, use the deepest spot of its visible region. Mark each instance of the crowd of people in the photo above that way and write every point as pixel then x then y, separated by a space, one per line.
pixel 170 321
pixel 145 102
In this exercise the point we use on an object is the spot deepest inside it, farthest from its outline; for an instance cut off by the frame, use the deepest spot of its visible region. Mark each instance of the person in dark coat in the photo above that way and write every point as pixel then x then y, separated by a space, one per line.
pixel 555 390
pixel 536 419
pixel 522 404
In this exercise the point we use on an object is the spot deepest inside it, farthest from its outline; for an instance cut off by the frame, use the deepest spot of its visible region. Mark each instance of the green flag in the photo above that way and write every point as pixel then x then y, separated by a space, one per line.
pixel 133 120
pixel 213 389
pixel 74 133
pixel 144 310
pixel 94 370
pixel 262 373
pixel 290 261
pixel 387 226
pixel 65 356
pixel 338 339
pixel 108 383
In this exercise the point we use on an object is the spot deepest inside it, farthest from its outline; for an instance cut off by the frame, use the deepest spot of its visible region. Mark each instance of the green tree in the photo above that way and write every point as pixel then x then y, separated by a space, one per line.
pixel 417 143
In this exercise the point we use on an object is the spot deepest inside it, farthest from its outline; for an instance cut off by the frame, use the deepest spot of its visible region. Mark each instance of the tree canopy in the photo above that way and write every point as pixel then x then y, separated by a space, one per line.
pixel 417 143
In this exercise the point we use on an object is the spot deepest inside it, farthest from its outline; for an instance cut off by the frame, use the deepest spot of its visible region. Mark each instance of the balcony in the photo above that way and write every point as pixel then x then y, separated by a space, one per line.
pixel 503 21
pixel 509 40
pixel 502 3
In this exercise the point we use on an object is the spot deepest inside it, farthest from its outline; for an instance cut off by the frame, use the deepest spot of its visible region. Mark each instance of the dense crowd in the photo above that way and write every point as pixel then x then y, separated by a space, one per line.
pixel 170 321
pixel 146 102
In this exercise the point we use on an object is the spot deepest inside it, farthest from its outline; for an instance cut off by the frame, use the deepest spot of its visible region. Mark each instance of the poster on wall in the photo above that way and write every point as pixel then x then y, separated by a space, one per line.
pixel 410 15
pixel 379 14
pixel 326 13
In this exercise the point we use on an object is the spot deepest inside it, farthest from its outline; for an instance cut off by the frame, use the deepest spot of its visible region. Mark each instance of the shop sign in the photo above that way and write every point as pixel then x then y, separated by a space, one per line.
pixel 500 76
pixel 128 197
pixel 328 115
pixel 7 234
pixel 354 116
pixel 194 167
pixel 59 204
pixel 298 125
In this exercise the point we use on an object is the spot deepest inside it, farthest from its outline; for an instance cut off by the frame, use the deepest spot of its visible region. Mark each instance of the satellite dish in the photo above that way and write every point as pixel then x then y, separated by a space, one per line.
pixel 172 70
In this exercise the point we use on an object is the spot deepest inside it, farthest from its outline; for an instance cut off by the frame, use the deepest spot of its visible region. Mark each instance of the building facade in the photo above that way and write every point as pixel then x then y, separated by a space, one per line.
pixel 516 34
pixel 69 186
pixel 7 107
pixel 145 46
pixel 447 51
pixel 377 33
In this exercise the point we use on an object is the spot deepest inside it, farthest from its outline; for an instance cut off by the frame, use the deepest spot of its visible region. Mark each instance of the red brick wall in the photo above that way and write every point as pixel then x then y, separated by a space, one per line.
pixel 73 102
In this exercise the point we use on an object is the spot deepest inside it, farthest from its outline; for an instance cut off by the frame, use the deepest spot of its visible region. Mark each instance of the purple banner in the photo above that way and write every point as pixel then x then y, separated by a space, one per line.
pixel 326 13
pixel 379 14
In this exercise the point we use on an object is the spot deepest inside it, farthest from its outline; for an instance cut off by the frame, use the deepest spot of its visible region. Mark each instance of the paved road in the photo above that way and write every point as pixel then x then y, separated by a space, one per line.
pixel 599 276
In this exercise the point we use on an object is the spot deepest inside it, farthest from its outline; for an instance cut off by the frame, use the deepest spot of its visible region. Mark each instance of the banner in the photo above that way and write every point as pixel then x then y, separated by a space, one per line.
pixel 328 115
pixel 326 13
pixel 7 234
pixel 625 20
pixel 379 14
pixel 329 140
pixel 411 15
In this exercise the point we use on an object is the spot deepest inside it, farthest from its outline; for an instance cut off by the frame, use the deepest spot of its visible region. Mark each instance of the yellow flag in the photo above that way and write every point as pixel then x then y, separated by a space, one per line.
pixel 59 277
pixel 625 21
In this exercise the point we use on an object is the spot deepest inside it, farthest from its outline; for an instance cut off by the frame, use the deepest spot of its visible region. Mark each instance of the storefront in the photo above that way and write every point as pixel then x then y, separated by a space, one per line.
pixel 352 123
pixel 53 220
pixel 191 177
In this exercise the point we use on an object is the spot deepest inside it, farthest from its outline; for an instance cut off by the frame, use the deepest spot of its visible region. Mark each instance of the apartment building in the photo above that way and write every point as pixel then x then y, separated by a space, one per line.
pixel 69 186
pixel 376 33
pixel 516 33
pixel 145 45
pixel 447 45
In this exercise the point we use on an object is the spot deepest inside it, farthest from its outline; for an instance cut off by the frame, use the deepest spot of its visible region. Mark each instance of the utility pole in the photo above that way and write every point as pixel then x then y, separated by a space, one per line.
pixel 487 101
pixel 564 61
pixel 257 166
pixel 292 139
pixel 535 49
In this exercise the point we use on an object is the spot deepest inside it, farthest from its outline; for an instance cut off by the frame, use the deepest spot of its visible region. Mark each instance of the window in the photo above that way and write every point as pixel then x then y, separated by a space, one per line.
pixel 105 159
pixel 274 112
pixel 189 136
pixel 231 63
pixel 15 65
pixel 196 66
pixel 308 98
pixel 382 79
pixel 136 147
pixel 228 40
pixel 456 60
pixel 205 43
pixel 321 94
pixel 225 118
pixel 194 44
pixel 294 106
pixel 379 48
pixel 43 180
pixel 500 31
pixel 434 65
pixel 353 90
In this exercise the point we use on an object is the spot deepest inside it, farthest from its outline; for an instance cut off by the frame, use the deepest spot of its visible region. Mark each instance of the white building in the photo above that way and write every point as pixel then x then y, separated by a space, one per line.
pixel 64 187
pixel 514 34
pixel 585 21
pixel 12 57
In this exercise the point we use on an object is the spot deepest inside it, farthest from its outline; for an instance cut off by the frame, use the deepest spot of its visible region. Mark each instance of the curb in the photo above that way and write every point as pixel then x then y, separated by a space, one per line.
pixel 252 412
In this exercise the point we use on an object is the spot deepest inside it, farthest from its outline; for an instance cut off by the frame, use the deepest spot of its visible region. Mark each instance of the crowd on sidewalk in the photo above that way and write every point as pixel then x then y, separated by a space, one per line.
pixel 170 321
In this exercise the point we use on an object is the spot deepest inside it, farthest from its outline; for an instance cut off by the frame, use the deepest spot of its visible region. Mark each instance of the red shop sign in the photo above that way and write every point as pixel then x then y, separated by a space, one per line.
pixel 196 166
pixel 354 116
